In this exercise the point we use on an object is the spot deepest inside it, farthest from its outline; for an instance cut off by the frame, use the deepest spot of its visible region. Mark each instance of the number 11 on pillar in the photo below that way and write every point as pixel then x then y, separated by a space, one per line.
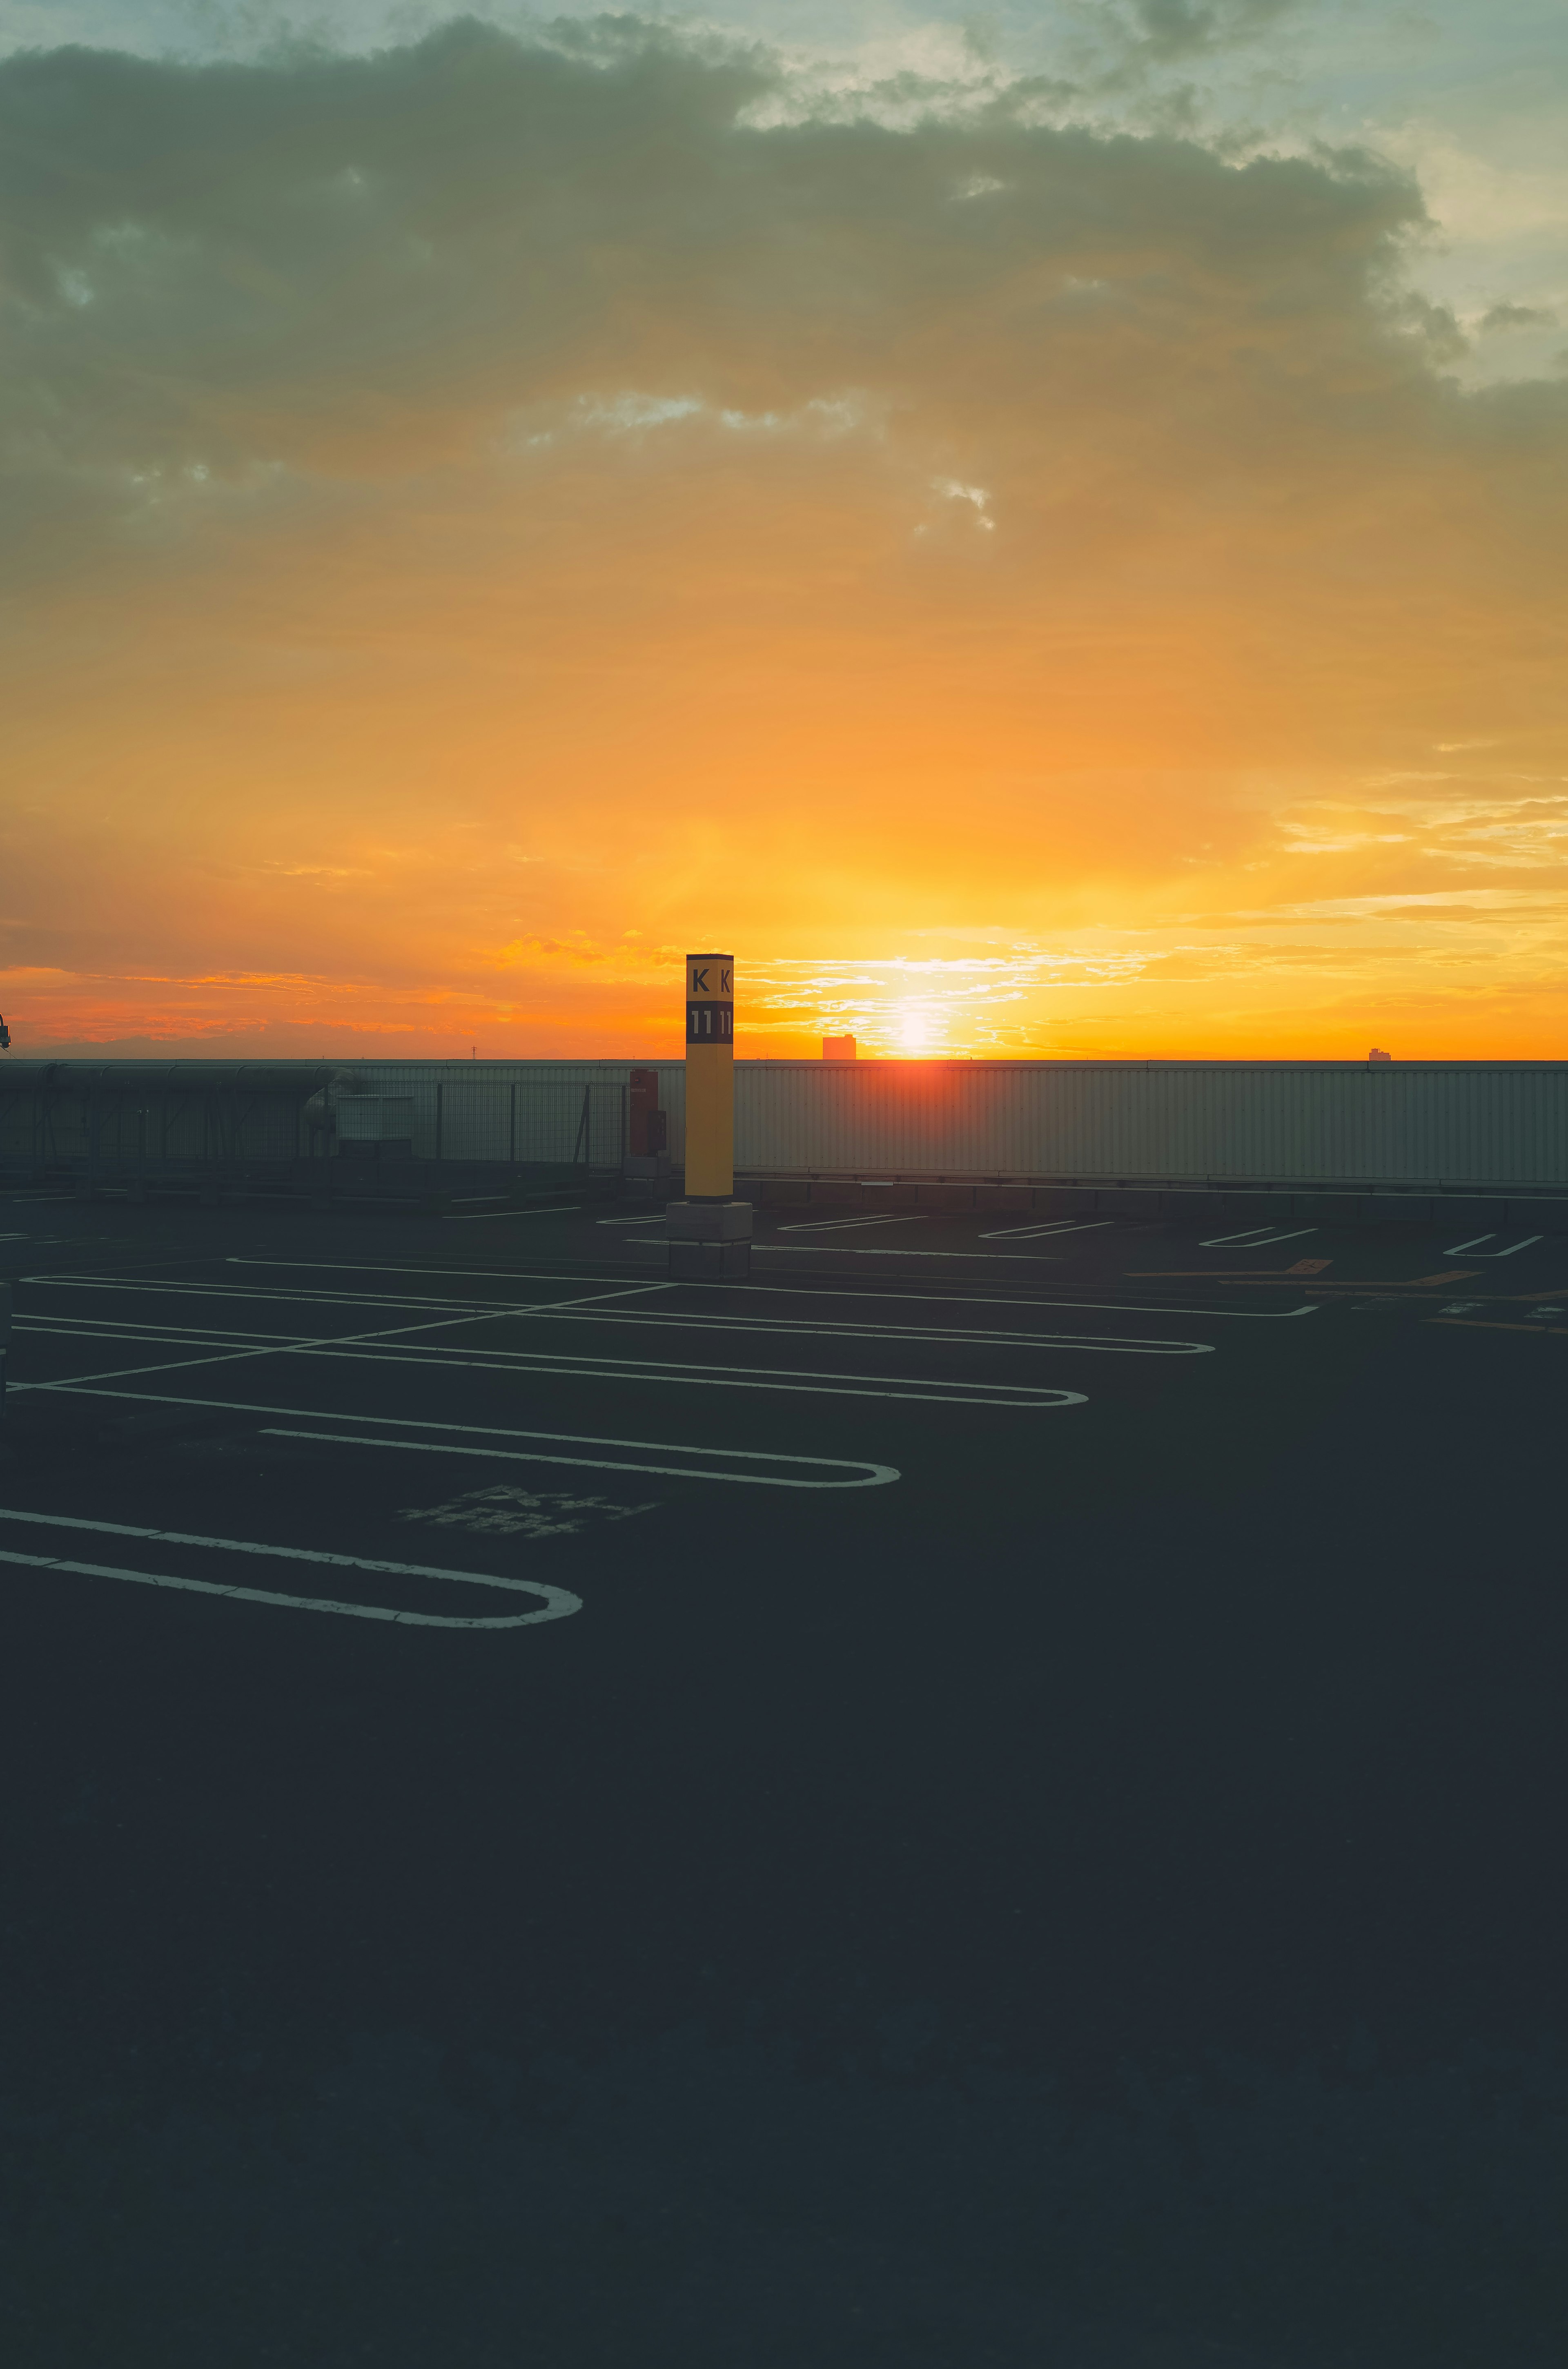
pixel 710 1076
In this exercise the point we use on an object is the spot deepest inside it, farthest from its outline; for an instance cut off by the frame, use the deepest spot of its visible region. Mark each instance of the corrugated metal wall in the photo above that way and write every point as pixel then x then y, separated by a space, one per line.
pixel 1299 1122
pixel 1411 1123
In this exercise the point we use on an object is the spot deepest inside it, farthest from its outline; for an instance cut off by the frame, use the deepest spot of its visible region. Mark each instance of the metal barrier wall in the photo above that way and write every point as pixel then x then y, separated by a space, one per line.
pixel 1327 1123
pixel 154 1119
pixel 1419 1124
pixel 1423 1124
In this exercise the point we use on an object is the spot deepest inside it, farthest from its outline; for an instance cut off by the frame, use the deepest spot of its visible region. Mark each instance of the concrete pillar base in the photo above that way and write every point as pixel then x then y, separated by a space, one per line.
pixel 710 1241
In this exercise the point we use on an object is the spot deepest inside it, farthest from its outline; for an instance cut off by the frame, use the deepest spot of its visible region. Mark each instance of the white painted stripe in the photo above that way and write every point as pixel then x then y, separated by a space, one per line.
pixel 314 1295
pixel 1052 1226
pixel 730 1378
pixel 286 1603
pixel 656 1219
pixel 850 1250
pixel 646 1369
pixel 1113 1344
pixel 276 1347
pixel 761 1290
pixel 139 1328
pixel 819 1291
pixel 1523 1244
pixel 835 1292
pixel 463 1312
pixel 1259 1239
pixel 790 1327
pixel 559 1602
pixel 882 1473
pixel 477 1216
pixel 877 1475
pixel 836 1225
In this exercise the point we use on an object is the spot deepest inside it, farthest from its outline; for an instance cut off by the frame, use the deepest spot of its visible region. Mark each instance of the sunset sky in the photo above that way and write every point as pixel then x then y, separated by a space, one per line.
pixel 1045 532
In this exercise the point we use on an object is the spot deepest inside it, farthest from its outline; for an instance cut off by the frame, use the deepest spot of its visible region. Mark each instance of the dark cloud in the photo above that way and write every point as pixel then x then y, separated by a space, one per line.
pixel 1519 316
pixel 1072 368
pixel 359 267
pixel 1165 31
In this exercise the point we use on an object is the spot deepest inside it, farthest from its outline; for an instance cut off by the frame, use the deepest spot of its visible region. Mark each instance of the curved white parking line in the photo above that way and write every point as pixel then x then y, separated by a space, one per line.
pixel 559 1603
pixel 877 1475
pixel 874 1476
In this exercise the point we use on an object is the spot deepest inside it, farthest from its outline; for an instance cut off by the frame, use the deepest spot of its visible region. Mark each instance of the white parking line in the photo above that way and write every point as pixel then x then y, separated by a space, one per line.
pixel 559 1602
pixel 837 1225
pixel 1523 1244
pixel 585 1312
pixel 848 1249
pixel 292 1346
pixel 878 1476
pixel 1053 1226
pixel 656 1219
pixel 753 1290
pixel 649 1370
pixel 1259 1239
pixel 477 1217
pixel 276 1345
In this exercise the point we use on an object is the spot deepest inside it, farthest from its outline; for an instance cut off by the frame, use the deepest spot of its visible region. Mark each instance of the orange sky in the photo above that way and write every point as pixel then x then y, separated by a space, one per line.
pixel 480 521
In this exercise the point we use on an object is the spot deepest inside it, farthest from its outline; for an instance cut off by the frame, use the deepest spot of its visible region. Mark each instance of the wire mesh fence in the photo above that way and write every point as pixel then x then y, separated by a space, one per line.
pixel 299 1127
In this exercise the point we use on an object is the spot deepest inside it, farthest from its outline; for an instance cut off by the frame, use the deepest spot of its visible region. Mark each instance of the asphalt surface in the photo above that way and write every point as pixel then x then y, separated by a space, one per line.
pixel 992 1796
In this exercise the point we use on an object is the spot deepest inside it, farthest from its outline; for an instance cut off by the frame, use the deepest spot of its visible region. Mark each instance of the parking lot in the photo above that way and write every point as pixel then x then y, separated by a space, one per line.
pixel 983 1657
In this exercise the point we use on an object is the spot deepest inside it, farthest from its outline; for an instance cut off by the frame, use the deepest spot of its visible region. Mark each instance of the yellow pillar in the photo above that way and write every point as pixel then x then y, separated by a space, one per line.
pixel 710 1076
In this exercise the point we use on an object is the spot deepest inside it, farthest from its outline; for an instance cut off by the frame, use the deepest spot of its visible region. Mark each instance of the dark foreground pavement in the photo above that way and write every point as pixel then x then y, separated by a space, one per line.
pixel 991 1798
